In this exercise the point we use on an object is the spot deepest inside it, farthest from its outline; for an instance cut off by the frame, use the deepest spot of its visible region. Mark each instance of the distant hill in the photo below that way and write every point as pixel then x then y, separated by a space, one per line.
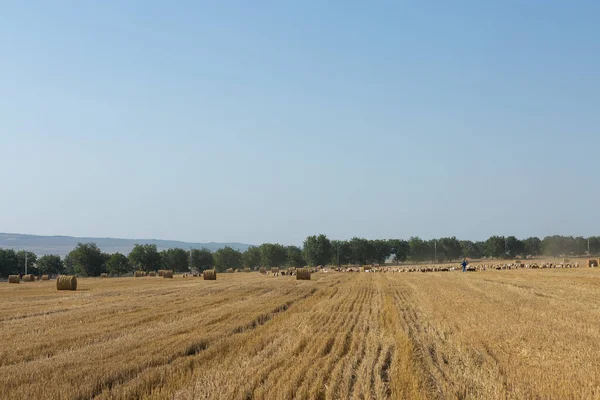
pixel 62 245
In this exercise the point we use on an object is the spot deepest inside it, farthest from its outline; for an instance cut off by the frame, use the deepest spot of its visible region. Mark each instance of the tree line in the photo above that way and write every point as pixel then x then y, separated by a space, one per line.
pixel 88 260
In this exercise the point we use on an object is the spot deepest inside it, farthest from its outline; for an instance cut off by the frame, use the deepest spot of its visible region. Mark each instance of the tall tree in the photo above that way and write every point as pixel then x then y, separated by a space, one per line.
pixel 176 259
pixel 202 259
pixel 251 257
pixel 118 264
pixel 9 263
pixel 31 260
pixel 361 250
pixel 272 255
pixel 495 246
pixel 449 249
pixel 420 250
pixel 87 259
pixel 294 257
pixel 380 250
pixel 342 249
pixel 145 257
pixel 400 249
pixel 227 257
pixel 514 247
pixel 50 265
pixel 317 250
pixel 532 246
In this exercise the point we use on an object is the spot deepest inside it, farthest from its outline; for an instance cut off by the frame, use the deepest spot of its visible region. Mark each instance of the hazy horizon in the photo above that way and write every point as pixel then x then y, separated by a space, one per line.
pixel 269 123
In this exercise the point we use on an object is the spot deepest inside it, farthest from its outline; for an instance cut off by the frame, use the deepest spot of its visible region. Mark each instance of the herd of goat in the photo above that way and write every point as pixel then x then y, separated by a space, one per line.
pixel 470 268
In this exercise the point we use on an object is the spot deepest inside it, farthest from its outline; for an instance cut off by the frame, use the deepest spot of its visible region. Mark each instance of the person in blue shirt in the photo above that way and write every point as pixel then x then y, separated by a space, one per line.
pixel 464 265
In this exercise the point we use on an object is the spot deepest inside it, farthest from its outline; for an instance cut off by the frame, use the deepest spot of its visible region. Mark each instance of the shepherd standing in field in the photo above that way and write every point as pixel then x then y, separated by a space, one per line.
pixel 464 265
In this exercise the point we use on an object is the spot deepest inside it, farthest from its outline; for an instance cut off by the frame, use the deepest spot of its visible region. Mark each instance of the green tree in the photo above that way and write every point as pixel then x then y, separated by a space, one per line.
pixel 361 251
pixel 514 247
pixel 272 255
pixel 50 265
pixel 473 250
pixel 594 244
pixel 202 259
pixel 31 261
pixel 420 250
pixel 495 247
pixel 118 264
pixel 448 249
pixel 294 257
pixel 145 257
pixel 9 263
pixel 380 250
pixel 176 259
pixel 227 257
pixel 532 246
pixel 251 257
pixel 341 248
pixel 400 249
pixel 317 250
pixel 87 259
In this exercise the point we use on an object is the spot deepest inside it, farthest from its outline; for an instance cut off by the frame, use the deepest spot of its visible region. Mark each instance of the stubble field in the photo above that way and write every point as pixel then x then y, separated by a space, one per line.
pixel 495 334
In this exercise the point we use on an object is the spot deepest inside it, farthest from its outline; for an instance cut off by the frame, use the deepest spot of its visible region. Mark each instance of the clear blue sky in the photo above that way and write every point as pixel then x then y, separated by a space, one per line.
pixel 270 121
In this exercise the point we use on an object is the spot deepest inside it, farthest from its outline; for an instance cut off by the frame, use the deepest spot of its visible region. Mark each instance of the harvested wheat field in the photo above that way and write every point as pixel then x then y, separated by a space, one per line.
pixel 495 334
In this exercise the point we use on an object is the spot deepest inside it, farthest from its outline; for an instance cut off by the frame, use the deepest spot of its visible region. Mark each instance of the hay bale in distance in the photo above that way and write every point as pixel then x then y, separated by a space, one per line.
pixel 274 270
pixel 138 274
pixel 303 274
pixel 66 282
pixel 151 273
pixel 14 279
pixel 247 270
pixel 592 263
pixel 262 270
pixel 229 270
pixel 45 278
pixel 168 274
pixel 210 275
pixel 161 272
pixel 28 278
pixel 105 275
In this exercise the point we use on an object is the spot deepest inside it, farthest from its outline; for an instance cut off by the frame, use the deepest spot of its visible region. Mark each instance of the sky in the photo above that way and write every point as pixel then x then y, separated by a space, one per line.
pixel 270 121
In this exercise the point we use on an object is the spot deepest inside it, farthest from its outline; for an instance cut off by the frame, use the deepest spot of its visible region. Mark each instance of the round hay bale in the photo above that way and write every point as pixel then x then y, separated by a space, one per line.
pixel 138 274
pixel 303 274
pixel 66 282
pixel 151 273
pixel 274 270
pixel 210 275
pixel 262 270
pixel 45 278
pixel 14 279
pixel 28 278
pixel 161 272
pixel 229 270
pixel 367 268
pixel 247 270
pixel 105 275
pixel 592 263
pixel 168 274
